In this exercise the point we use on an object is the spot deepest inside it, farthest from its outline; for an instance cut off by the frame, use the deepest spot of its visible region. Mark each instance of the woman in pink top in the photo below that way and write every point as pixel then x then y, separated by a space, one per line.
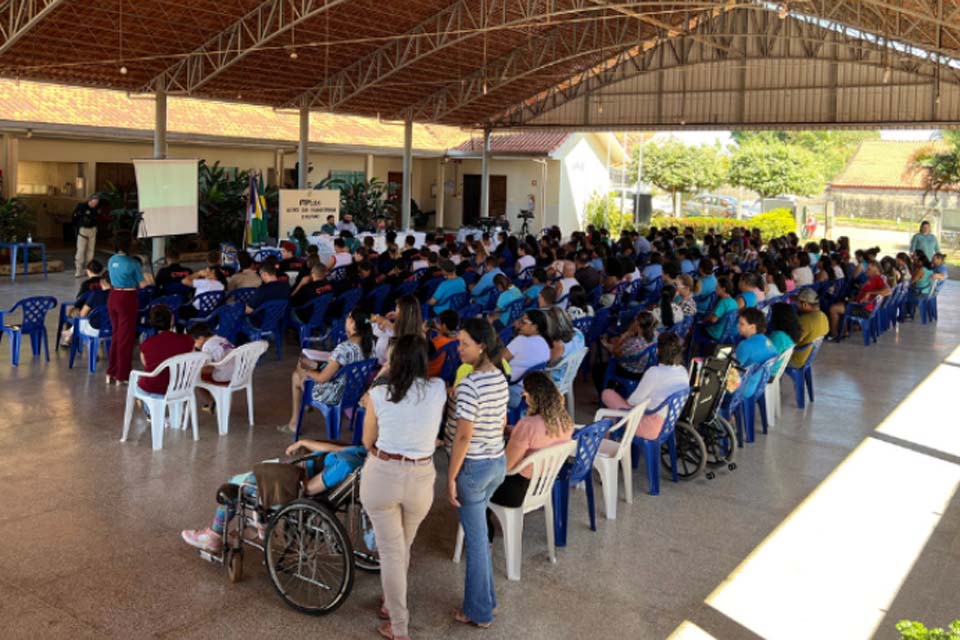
pixel 546 423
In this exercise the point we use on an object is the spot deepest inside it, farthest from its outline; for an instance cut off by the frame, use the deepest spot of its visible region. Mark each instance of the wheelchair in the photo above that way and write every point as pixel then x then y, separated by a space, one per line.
pixel 704 438
pixel 311 545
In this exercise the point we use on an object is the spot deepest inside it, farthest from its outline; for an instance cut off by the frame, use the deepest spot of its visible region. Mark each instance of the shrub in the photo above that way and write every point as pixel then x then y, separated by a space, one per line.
pixel 910 630
pixel 771 224
pixel 604 213
pixel 15 221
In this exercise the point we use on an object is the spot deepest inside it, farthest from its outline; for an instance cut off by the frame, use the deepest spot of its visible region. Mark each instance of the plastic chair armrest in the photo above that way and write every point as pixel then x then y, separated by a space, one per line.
pixel 610 413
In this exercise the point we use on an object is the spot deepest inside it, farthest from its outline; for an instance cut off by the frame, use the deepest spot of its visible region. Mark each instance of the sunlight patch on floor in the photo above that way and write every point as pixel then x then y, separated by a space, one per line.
pixel 689 631
pixel 930 415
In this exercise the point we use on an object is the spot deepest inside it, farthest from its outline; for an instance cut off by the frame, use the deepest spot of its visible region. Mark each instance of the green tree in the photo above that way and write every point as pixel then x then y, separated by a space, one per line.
pixel 676 167
pixel 222 203
pixel 771 168
pixel 938 165
pixel 832 149
pixel 604 213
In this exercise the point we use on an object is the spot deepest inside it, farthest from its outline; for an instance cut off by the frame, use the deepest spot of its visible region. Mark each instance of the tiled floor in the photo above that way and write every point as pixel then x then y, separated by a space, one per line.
pixel 90 544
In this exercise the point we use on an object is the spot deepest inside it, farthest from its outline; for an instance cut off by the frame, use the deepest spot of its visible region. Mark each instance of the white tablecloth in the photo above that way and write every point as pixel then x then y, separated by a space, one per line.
pixel 477 233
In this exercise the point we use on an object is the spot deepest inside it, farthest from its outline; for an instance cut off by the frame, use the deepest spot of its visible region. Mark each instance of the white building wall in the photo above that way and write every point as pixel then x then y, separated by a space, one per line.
pixel 584 171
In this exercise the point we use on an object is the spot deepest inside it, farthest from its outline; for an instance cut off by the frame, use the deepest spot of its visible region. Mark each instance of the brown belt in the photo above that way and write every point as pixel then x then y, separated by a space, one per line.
pixel 383 455
pixel 122 289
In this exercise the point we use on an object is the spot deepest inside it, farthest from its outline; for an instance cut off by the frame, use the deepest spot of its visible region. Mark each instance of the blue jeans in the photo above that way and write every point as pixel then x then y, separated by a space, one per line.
pixel 476 483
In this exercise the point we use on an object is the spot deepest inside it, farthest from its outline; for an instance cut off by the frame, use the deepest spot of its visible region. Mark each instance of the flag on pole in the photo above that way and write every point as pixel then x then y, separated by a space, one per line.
pixel 257 212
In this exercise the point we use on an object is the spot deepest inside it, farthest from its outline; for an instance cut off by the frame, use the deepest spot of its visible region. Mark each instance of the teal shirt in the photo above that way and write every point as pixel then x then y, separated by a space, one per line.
pixel 446 290
pixel 781 341
pixel 924 284
pixel 926 242
pixel 125 272
pixel 724 306
pixel 510 295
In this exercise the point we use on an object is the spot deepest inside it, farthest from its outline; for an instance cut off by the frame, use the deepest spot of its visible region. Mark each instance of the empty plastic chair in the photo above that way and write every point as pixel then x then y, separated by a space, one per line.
pixel 613 456
pixel 564 374
pixel 575 471
pixel 544 466
pixel 772 394
pixel 267 322
pixel 33 312
pixel 244 360
pixel 184 371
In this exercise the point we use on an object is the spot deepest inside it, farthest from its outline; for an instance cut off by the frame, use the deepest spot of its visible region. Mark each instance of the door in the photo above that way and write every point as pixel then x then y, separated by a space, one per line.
pixel 471 197
pixel 395 195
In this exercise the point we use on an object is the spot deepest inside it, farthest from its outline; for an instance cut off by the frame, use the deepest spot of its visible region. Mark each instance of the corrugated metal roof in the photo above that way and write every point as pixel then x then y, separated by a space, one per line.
pixel 882 164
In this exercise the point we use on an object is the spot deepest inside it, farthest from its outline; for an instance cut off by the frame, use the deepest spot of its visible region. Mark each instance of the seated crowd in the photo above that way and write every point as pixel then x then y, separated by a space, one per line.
pixel 518 309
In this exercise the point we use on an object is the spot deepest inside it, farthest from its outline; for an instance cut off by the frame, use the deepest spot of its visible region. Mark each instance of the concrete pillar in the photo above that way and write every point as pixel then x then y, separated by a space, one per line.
pixel 368 167
pixel 160 152
pixel 89 178
pixel 407 188
pixel 278 167
pixel 9 153
pixel 485 176
pixel 303 155
pixel 441 193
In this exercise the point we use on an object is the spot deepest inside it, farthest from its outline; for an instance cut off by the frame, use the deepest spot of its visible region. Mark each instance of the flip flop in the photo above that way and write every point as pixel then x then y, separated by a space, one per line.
pixel 462 618
pixel 386 631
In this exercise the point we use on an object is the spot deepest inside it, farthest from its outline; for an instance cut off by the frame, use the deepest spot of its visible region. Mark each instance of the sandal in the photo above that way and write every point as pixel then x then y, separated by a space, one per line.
pixel 382 612
pixel 386 630
pixel 287 429
pixel 462 618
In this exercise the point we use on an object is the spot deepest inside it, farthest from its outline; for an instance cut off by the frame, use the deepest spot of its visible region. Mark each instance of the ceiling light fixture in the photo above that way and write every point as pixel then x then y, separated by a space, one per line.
pixel 123 70
pixel 294 55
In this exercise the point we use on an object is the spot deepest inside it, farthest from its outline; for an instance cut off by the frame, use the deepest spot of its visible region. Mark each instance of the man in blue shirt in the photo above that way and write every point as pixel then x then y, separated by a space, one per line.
pixel 755 348
pixel 451 286
pixel 485 283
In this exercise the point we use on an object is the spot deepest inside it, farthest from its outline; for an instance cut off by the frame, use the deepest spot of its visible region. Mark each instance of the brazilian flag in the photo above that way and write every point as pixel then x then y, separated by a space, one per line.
pixel 257 212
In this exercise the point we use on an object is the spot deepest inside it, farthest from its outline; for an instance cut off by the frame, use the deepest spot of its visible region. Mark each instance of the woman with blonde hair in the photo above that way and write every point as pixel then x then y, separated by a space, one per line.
pixel 547 423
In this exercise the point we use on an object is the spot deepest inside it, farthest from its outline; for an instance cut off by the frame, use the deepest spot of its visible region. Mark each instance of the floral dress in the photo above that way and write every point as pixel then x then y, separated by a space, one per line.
pixel 332 391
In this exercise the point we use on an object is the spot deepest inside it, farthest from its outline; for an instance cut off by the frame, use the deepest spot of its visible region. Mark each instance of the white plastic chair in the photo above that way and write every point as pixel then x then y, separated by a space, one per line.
pixel 184 372
pixel 244 362
pixel 569 366
pixel 545 465
pixel 772 393
pixel 613 455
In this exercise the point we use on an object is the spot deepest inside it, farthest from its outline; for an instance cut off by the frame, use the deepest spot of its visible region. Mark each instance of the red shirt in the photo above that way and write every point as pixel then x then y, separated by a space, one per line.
pixel 876 283
pixel 158 348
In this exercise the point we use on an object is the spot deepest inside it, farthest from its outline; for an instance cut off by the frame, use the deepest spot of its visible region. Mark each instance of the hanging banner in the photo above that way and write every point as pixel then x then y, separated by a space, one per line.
pixel 307 208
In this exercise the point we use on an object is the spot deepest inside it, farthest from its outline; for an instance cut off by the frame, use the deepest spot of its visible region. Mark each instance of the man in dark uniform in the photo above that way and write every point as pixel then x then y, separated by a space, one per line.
pixel 85 222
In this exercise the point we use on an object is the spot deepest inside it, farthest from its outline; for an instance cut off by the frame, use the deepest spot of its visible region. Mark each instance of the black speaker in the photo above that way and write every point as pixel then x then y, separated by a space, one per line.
pixel 643 210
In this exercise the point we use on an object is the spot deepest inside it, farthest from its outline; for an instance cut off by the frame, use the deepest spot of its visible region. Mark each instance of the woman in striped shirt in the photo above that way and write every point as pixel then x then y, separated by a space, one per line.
pixel 476 417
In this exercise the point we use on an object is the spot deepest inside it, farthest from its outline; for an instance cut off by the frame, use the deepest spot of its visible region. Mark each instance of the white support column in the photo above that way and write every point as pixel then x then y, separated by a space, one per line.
pixel 485 176
pixel 278 167
pixel 441 193
pixel 160 152
pixel 406 190
pixel 368 167
pixel 12 158
pixel 303 155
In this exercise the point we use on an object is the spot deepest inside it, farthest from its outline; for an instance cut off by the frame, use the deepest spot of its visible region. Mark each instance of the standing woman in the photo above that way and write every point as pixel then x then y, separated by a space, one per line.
pixel 126 277
pixel 925 242
pixel 396 487
pixel 476 417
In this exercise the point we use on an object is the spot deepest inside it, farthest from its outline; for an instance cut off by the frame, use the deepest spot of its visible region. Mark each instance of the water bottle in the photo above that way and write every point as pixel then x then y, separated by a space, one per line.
pixel 29 238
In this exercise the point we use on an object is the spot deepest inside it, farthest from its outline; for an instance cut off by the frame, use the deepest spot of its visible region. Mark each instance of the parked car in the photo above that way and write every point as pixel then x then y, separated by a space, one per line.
pixel 710 205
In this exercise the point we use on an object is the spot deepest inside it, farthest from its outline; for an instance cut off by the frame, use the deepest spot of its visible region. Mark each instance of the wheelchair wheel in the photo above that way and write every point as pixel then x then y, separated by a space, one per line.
pixel 365 554
pixel 235 566
pixel 721 440
pixel 309 557
pixel 691 453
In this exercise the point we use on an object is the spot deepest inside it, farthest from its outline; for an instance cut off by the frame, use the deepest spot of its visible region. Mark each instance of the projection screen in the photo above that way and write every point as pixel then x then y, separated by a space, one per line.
pixel 167 192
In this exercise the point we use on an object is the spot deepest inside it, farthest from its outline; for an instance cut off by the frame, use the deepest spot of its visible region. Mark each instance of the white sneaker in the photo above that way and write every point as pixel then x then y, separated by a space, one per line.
pixel 203 539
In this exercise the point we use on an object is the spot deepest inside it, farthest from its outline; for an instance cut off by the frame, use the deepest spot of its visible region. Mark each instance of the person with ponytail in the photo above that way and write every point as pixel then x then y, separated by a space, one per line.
pixel 476 417
pixel 358 346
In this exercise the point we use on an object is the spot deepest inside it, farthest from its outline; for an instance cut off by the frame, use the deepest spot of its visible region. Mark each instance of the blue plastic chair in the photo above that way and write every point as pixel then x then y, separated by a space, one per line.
pixel 593 297
pixel 225 320
pixel 512 311
pixel 430 286
pixel 506 335
pixel 650 449
pixel 241 295
pixel 33 313
pixel 356 378
pixel 172 302
pixel 451 361
pixel 488 301
pixel 470 277
pixel 870 325
pixel 706 302
pixel 627 385
pixel 267 322
pixel 65 320
pixel 338 273
pixel 348 300
pixel 575 471
pixel 316 310
pixel 205 304
pixel 80 341
pixel 377 298
pixel 146 295
pixel 803 376
pixel 178 289
pixel 470 311
pixel 730 334
pixel 583 325
pixel 406 289
pixel 750 403
pixel 263 254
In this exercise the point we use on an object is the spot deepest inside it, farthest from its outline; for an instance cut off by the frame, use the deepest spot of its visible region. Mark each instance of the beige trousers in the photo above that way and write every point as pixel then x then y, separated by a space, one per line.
pixel 86 246
pixel 396 496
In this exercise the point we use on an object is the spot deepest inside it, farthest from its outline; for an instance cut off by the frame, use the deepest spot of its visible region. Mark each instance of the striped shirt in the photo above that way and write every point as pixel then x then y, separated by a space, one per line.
pixel 481 398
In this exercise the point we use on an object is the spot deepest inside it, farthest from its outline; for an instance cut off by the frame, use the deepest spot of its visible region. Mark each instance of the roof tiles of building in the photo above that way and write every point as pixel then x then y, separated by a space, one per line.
pixel 78 106
pixel 882 164
pixel 538 143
